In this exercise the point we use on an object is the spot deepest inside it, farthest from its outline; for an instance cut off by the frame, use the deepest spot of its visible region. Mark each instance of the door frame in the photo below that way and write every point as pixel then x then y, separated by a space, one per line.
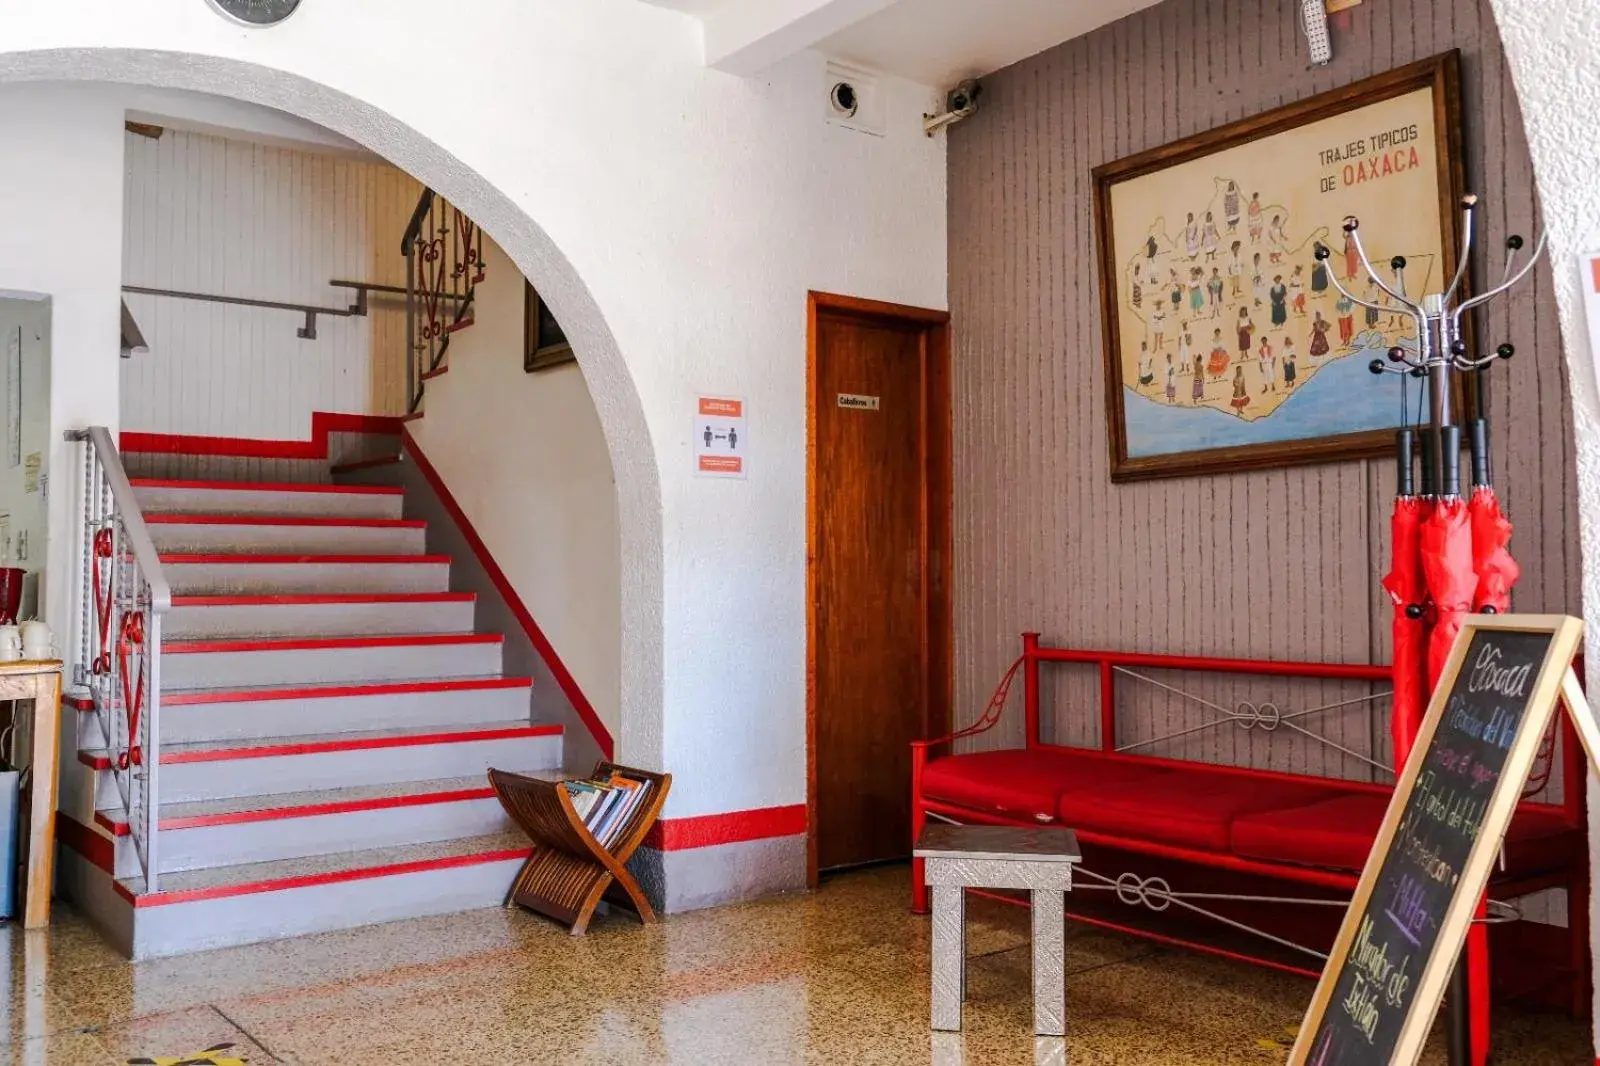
pixel 933 328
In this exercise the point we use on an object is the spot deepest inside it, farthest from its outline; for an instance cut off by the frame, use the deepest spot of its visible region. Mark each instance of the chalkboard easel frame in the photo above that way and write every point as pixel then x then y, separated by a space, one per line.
pixel 1555 684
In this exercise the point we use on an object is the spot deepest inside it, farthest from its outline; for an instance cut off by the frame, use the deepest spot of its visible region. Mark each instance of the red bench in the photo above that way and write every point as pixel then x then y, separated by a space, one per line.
pixel 1248 827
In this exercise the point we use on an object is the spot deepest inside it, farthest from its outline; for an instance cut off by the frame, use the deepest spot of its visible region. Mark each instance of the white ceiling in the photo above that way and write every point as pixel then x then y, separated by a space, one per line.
pixel 939 42
pixel 219 116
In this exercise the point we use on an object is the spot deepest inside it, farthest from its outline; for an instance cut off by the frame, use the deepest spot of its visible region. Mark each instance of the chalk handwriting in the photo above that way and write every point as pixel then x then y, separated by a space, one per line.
pixel 1489 676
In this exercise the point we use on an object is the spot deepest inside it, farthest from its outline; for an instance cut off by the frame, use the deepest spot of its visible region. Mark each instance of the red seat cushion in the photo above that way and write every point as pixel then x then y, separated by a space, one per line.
pixel 1338 833
pixel 1192 809
pixel 1023 783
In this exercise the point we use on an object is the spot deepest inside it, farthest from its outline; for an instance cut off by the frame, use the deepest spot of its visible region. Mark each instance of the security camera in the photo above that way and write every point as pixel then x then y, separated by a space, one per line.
pixel 844 99
pixel 958 103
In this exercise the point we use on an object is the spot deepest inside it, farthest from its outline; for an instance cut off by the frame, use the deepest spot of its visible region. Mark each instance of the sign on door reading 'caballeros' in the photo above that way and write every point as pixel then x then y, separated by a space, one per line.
pixel 1428 869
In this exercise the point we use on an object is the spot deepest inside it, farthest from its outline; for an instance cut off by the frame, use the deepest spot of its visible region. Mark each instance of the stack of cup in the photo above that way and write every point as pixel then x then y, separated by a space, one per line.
pixel 36 645
pixel 29 641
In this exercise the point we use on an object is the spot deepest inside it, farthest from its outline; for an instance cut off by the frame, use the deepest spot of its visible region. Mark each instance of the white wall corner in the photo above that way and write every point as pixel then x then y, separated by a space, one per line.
pixel 1557 76
pixel 747 36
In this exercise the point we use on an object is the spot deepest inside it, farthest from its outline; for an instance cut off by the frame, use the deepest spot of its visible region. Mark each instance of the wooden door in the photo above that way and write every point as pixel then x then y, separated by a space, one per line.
pixel 879 669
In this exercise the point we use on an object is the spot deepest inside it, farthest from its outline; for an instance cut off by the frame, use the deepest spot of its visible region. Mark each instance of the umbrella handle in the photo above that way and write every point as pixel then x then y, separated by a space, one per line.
pixel 1478 443
pixel 1450 461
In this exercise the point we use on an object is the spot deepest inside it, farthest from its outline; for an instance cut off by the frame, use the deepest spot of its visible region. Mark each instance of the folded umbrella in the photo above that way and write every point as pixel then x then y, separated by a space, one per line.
pixel 1447 567
pixel 1495 569
pixel 1406 588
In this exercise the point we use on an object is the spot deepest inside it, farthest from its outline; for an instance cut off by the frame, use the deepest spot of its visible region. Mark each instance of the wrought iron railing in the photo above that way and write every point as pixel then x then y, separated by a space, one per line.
pixel 125 594
pixel 444 265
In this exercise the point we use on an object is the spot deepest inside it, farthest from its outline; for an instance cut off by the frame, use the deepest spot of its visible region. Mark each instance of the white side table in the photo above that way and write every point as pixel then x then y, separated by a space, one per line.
pixel 960 857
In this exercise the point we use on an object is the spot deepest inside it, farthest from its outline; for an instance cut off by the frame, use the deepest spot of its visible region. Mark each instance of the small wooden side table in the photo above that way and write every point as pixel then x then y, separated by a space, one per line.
pixel 41 683
pixel 960 857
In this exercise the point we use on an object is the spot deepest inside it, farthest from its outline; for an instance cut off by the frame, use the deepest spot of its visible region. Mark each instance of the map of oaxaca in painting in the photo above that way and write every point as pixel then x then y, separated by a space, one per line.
pixel 1229 333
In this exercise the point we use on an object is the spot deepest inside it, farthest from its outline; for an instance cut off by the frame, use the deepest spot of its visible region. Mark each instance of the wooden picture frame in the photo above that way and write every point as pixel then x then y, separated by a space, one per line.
pixel 544 343
pixel 1209 430
pixel 1553 686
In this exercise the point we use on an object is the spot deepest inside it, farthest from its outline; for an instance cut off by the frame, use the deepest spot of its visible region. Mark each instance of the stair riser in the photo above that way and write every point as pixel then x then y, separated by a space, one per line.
pixel 404 662
pixel 278 774
pixel 341 714
pixel 177 467
pixel 159 500
pixel 265 579
pixel 198 538
pixel 203 847
pixel 318 619
pixel 176 928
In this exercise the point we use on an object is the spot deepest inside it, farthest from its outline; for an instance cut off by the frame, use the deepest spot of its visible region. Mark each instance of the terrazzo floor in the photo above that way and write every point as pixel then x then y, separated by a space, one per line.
pixel 840 976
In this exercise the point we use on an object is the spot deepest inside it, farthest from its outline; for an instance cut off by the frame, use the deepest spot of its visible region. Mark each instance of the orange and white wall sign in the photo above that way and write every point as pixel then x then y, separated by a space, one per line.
pixel 721 437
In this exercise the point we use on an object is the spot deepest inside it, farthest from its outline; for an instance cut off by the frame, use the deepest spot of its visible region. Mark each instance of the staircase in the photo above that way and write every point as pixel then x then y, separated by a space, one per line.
pixel 324 715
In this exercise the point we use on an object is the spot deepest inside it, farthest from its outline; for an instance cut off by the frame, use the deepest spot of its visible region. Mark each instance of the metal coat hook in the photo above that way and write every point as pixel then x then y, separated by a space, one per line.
pixel 1440 347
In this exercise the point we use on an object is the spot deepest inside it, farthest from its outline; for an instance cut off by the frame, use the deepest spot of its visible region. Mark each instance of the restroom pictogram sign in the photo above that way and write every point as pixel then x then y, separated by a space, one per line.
pixel 721 437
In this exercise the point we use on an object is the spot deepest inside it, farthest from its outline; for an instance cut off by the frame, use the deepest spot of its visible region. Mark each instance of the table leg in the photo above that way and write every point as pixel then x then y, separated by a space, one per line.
pixel 1049 962
pixel 949 955
pixel 39 877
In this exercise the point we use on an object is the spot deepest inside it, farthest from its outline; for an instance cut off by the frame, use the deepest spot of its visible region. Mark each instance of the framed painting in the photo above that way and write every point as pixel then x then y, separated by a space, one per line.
pixel 1228 345
pixel 544 344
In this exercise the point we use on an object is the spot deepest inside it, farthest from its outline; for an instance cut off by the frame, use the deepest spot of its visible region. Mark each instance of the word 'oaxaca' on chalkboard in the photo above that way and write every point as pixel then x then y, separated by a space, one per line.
pixel 1433 856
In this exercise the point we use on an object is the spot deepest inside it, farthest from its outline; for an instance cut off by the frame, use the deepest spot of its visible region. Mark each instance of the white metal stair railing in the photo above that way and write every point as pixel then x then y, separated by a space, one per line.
pixel 125 594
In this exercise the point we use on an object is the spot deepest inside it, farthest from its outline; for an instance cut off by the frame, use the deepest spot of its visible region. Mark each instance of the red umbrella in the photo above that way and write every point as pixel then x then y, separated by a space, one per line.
pixel 1496 570
pixel 1406 588
pixel 1447 564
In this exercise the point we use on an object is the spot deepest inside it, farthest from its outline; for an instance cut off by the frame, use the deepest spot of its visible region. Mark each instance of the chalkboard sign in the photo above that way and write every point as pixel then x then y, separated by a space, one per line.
pixel 1432 859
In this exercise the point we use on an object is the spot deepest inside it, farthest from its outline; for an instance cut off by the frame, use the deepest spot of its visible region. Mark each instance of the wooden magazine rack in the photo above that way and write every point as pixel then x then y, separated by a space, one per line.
pixel 570 872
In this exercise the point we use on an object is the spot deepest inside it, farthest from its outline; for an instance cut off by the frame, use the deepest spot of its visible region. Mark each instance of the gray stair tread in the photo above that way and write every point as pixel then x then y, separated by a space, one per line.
pixel 331 796
pixel 312 688
pixel 322 738
pixel 339 862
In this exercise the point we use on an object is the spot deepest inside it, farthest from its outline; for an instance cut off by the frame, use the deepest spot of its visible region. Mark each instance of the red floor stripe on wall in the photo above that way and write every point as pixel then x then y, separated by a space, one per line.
pixel 710 830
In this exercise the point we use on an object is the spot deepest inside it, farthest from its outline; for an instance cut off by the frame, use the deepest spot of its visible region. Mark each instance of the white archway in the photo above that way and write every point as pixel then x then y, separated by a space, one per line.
pixel 1556 71
pixel 616 399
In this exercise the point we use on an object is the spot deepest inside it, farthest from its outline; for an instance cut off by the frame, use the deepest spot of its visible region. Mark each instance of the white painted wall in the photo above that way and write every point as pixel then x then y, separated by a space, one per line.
pixel 525 458
pixel 674 217
pixel 235 218
pixel 1557 73
pixel 25 399
pixel 62 197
